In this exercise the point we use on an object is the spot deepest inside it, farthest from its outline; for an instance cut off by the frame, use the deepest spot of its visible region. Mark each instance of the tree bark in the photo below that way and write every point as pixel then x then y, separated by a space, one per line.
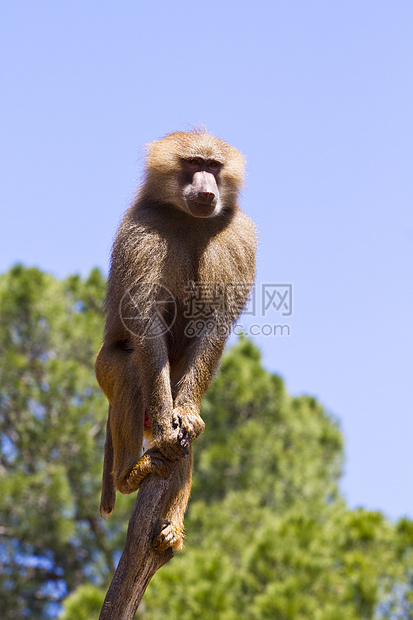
pixel 139 561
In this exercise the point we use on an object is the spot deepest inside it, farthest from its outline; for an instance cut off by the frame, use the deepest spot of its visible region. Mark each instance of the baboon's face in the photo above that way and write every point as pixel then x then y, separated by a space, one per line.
pixel 200 186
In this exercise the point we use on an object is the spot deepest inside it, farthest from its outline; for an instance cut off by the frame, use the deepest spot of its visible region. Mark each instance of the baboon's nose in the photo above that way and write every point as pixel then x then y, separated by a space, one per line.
pixel 206 197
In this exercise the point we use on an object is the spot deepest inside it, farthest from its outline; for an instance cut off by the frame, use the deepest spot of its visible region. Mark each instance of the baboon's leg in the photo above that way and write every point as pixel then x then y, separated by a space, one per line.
pixel 171 527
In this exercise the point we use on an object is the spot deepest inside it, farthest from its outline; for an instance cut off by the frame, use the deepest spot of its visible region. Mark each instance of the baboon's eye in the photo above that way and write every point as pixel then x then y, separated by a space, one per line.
pixel 193 162
pixel 213 164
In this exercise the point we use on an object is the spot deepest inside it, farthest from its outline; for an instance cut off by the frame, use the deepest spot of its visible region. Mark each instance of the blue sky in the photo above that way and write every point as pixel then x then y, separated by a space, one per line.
pixel 319 97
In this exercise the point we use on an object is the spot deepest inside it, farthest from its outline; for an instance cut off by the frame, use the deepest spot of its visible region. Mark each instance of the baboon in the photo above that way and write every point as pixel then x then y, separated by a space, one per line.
pixel 182 267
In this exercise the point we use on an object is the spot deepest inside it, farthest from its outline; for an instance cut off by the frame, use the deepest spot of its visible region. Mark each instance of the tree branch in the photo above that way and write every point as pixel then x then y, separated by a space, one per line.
pixel 139 561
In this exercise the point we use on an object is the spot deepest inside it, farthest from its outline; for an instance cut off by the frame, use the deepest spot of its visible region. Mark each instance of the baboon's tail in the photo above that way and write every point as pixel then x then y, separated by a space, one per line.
pixel 108 497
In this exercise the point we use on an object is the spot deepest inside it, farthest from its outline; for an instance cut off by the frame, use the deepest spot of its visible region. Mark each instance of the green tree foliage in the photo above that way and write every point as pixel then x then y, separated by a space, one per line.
pixel 269 535
pixel 52 422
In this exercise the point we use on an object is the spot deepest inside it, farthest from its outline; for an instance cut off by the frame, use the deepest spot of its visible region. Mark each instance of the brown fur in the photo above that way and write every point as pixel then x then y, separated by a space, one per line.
pixel 160 243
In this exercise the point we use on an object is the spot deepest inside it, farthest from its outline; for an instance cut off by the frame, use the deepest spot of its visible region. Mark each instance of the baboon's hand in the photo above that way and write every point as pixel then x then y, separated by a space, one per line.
pixel 189 423
pixel 168 443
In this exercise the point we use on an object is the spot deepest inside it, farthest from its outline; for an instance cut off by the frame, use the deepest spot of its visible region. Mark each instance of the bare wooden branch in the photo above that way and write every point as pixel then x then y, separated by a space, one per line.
pixel 139 561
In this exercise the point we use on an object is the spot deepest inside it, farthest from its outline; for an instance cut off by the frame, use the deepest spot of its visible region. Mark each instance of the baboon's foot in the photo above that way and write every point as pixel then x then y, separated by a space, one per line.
pixel 152 462
pixel 171 536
